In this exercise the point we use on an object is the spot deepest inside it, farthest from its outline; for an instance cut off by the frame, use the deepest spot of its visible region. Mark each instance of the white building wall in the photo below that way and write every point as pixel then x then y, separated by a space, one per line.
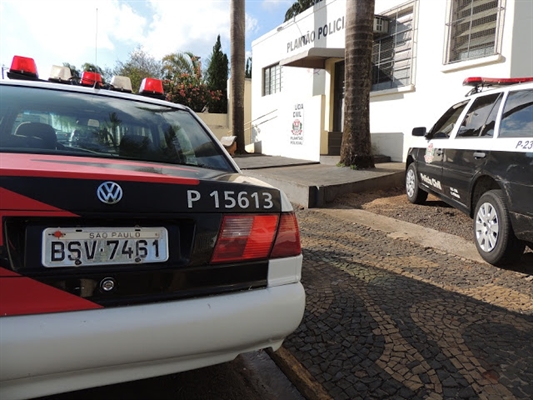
pixel 272 114
pixel 393 113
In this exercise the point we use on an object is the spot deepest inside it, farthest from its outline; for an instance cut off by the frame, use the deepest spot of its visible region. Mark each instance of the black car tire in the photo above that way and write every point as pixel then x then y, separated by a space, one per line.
pixel 493 233
pixel 414 194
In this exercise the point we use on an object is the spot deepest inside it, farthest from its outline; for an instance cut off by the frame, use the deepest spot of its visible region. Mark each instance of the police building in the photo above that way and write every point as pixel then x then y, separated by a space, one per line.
pixel 423 51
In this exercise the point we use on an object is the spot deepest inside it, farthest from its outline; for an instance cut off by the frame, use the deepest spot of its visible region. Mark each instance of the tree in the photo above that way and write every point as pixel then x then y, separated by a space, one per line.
pixel 217 78
pixel 298 7
pixel 140 65
pixel 356 147
pixel 177 64
pixel 184 83
pixel 248 70
pixel 237 23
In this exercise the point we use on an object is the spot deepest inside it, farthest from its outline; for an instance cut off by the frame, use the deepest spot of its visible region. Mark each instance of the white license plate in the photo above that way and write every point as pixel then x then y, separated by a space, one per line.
pixel 77 247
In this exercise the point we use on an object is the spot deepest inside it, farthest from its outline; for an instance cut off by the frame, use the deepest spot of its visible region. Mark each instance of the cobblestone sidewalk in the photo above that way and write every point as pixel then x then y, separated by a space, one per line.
pixel 389 319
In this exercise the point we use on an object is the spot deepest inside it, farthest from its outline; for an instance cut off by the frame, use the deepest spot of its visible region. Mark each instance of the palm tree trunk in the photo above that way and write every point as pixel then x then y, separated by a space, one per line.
pixel 356 148
pixel 237 22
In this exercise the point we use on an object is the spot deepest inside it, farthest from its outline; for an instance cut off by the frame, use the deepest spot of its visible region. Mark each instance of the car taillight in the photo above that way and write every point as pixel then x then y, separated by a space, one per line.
pixel 288 240
pixel 254 237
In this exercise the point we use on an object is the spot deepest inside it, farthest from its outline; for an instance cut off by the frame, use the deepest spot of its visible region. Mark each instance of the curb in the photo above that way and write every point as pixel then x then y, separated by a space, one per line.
pixel 298 375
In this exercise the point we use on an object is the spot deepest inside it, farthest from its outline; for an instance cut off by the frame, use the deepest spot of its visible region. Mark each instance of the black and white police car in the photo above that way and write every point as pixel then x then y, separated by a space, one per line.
pixel 132 246
pixel 478 157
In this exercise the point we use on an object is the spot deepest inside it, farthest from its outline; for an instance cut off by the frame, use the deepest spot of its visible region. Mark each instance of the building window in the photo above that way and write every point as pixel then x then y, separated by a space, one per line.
pixel 392 53
pixel 272 80
pixel 473 29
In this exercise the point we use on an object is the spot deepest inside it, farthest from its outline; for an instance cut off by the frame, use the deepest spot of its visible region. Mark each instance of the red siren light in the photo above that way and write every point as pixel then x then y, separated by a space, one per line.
pixel 152 87
pixel 478 80
pixel 90 78
pixel 23 68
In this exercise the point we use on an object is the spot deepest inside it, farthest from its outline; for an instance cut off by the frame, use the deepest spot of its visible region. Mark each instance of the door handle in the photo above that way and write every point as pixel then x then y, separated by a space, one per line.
pixel 479 154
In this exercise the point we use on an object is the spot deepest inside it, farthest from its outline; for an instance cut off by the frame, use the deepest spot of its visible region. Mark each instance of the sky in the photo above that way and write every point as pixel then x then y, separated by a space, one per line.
pixel 103 32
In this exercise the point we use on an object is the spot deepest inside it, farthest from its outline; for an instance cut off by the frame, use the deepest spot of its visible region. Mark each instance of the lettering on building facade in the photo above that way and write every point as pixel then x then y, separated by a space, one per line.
pixel 332 27
pixel 297 128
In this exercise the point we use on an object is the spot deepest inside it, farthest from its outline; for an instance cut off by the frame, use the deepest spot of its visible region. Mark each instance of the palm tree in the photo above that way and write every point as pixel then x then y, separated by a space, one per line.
pixel 237 22
pixel 356 148
pixel 298 7
pixel 176 64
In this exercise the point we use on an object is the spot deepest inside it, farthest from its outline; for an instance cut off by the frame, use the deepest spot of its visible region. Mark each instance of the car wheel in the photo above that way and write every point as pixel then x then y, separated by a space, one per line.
pixel 494 236
pixel 414 194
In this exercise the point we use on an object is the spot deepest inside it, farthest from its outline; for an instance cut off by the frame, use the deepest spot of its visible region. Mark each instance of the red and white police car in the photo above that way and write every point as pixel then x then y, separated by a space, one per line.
pixel 131 245
pixel 478 157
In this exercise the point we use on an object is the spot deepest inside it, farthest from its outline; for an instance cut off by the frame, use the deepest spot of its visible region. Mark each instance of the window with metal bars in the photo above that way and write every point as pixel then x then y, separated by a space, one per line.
pixel 473 29
pixel 271 79
pixel 392 54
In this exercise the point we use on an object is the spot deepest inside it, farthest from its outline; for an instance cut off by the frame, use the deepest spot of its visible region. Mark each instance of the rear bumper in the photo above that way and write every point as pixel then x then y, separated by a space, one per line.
pixel 49 353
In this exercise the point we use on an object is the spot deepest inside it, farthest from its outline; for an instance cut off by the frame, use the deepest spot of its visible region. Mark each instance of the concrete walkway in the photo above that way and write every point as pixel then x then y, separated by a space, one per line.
pixel 314 184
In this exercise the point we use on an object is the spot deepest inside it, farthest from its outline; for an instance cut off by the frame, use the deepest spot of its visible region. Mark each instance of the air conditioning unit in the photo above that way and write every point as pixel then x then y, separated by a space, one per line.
pixel 381 25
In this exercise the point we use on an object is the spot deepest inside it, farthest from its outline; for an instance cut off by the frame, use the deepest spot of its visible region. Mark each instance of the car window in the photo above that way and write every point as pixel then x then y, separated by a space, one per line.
pixel 517 117
pixel 480 118
pixel 444 126
pixel 43 120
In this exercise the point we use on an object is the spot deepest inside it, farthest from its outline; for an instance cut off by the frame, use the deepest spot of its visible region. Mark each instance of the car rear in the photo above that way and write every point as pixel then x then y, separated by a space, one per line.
pixel 133 250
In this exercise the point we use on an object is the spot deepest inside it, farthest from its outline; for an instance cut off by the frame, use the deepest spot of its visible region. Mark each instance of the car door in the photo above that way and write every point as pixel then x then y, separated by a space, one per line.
pixel 469 148
pixel 430 166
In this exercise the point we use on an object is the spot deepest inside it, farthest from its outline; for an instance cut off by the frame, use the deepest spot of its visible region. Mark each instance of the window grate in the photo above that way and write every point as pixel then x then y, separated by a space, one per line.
pixel 272 80
pixel 474 29
pixel 392 54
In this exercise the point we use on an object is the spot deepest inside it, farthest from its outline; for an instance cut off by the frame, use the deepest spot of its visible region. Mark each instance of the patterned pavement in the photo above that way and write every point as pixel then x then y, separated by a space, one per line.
pixel 389 319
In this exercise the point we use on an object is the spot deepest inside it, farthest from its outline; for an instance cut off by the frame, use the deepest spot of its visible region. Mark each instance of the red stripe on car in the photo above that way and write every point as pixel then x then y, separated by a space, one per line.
pixel 14 204
pixel 21 296
pixel 28 165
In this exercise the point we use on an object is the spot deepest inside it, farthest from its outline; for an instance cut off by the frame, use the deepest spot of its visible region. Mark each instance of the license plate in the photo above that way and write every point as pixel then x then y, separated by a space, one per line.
pixel 77 247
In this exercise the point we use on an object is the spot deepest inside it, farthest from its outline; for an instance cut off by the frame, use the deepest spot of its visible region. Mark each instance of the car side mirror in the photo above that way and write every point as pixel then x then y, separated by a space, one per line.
pixel 420 131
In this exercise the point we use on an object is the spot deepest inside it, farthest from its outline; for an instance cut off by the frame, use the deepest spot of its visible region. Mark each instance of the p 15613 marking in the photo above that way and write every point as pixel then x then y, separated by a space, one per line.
pixel 229 199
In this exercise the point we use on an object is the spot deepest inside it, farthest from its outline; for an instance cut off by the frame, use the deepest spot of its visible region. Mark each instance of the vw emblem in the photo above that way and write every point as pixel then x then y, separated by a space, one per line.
pixel 109 192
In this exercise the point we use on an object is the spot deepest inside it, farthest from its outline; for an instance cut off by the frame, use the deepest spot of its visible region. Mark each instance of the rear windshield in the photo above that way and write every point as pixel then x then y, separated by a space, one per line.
pixel 49 121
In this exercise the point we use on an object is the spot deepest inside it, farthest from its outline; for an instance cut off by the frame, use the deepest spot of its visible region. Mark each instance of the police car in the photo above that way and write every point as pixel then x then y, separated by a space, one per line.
pixel 478 157
pixel 132 247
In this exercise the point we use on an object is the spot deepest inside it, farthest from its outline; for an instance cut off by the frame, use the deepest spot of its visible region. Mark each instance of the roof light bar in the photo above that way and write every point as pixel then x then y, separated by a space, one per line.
pixel 152 87
pixel 120 84
pixel 478 80
pixel 23 68
pixel 90 78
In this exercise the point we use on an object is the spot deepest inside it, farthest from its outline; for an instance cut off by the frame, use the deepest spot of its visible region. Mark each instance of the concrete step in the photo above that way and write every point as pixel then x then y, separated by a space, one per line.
pixel 315 185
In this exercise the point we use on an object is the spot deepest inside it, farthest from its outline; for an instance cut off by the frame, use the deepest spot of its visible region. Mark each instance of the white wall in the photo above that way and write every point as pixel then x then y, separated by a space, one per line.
pixel 270 126
pixel 393 113
pixel 438 86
